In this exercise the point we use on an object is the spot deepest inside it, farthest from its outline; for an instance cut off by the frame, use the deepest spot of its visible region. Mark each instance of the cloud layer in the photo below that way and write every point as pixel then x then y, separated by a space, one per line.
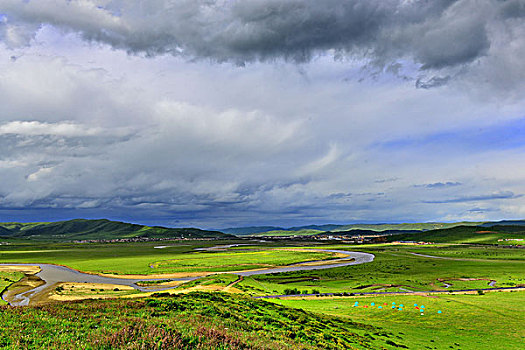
pixel 442 37
pixel 228 113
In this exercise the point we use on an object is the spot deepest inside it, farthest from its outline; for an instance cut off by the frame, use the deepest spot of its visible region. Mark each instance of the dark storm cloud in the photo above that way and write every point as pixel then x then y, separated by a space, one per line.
pixel 436 34
pixel 432 82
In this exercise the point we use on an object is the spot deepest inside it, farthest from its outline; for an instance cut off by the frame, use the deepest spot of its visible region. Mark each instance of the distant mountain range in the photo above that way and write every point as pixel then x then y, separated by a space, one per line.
pixel 102 229
pixel 362 228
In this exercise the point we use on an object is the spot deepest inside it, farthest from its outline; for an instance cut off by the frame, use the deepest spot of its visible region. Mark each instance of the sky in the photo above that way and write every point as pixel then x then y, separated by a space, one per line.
pixel 228 113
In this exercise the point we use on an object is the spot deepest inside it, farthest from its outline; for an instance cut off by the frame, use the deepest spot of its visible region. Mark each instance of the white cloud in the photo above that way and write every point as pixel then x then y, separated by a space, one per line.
pixel 39 174
pixel 38 128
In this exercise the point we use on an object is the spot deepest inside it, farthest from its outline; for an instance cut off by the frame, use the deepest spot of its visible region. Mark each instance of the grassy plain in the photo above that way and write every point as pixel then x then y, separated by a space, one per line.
pixel 395 269
pixel 499 235
pixel 490 321
pixel 144 258
pixel 472 252
pixel 222 321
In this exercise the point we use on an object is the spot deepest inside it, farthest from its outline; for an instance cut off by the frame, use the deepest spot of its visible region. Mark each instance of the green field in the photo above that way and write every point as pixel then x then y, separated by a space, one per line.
pixel 466 321
pixel 500 235
pixel 491 321
pixel 395 269
pixel 144 258
pixel 6 279
pixel 236 260
pixel 472 252
pixel 194 321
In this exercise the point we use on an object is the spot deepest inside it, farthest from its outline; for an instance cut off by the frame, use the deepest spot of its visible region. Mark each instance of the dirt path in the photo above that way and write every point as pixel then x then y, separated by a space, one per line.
pixel 230 286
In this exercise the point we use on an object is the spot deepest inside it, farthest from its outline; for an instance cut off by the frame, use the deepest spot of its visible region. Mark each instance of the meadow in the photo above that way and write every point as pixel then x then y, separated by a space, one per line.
pixel 144 259
pixel 471 252
pixel 192 321
pixel 395 269
pixel 496 235
pixel 237 321
pixel 468 321
pixel 6 279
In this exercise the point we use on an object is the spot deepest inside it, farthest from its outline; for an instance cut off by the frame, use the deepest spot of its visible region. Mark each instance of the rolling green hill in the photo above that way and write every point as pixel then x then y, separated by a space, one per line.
pixel 281 233
pixel 333 228
pixel 82 229
pixel 405 226
pixel 242 231
pixel 466 234
pixel 191 321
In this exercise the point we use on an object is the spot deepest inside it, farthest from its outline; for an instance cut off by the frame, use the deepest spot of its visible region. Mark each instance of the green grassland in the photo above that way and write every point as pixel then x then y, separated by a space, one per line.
pixel 236 260
pixel 223 321
pixel 471 252
pixel 491 321
pixel 395 269
pixel 194 321
pixel 467 234
pixel 6 279
pixel 144 258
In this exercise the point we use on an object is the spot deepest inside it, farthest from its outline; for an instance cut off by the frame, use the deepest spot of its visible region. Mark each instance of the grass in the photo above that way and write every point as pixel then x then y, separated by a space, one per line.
pixel 395 269
pixel 221 280
pixel 472 252
pixel 468 234
pixel 6 279
pixel 237 260
pixel 491 321
pixel 222 321
pixel 193 321
pixel 144 258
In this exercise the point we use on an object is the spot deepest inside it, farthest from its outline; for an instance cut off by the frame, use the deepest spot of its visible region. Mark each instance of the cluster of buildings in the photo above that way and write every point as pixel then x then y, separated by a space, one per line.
pixel 412 242
pixel 141 239
pixel 330 236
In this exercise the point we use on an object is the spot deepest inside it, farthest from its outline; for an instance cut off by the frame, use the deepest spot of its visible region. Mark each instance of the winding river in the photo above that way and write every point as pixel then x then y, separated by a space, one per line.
pixel 51 274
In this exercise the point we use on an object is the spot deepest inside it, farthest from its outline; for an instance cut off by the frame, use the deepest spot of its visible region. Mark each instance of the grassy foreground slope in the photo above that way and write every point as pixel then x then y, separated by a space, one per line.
pixel 191 321
pixel 82 229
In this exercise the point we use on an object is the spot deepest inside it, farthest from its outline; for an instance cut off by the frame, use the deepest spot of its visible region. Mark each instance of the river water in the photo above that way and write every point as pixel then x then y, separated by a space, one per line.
pixel 52 274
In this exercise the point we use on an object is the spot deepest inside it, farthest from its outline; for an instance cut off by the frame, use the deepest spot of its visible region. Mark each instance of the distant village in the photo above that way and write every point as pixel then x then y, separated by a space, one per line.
pixel 345 238
pixel 142 239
